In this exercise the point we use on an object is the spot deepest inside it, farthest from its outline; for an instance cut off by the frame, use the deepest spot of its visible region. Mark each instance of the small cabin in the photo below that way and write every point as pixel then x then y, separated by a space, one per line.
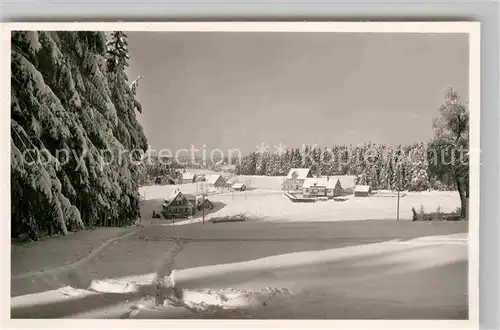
pixel 204 204
pixel 239 186
pixel 198 202
pixel 362 191
pixel 188 177
pixel 164 180
pixel 215 181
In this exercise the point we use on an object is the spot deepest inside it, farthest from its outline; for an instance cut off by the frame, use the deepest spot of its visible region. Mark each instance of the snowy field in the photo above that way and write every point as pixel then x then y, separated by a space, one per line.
pixel 419 278
pixel 288 260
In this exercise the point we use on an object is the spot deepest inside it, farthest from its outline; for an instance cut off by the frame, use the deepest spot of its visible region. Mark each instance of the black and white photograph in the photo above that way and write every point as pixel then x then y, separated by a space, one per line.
pixel 244 171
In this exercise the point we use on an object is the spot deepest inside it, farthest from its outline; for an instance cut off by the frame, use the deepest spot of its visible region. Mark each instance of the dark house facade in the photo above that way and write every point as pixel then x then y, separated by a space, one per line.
pixel 165 179
pixel 177 206
pixel 362 191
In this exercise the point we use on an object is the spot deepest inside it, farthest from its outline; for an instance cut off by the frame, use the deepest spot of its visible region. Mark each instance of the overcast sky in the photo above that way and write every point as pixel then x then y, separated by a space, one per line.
pixel 236 90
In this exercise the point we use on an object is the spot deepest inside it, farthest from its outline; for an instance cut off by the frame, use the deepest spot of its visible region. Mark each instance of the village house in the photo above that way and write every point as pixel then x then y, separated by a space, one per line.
pixel 362 191
pixel 198 202
pixel 176 206
pixel 348 182
pixel 188 177
pixel 215 181
pixel 239 186
pixel 321 187
pixel 295 178
pixel 204 203
pixel 164 180
pixel 192 199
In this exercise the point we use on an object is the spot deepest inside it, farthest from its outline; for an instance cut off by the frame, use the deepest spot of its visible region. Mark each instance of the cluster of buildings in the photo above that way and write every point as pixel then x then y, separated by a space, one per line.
pixel 298 181
pixel 180 205
pixel 211 181
pixel 301 180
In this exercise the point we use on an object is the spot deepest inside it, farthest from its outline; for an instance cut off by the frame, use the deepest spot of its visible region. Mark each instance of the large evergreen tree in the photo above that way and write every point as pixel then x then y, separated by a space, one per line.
pixel 70 106
pixel 449 149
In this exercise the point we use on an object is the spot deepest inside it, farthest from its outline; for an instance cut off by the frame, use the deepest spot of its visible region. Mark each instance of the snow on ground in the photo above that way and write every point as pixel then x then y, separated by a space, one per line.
pixel 381 280
pixel 288 260
pixel 276 206
pixel 261 182
pixel 58 251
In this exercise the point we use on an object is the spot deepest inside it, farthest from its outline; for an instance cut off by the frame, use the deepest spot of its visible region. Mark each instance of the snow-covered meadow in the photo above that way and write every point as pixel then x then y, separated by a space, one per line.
pixel 289 260
pixel 393 279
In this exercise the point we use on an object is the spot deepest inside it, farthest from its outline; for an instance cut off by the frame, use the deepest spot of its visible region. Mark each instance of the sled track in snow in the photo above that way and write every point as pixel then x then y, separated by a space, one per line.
pixel 75 264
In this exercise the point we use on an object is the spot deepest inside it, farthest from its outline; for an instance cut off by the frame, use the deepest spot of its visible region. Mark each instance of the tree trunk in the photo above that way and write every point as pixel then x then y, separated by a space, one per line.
pixel 463 199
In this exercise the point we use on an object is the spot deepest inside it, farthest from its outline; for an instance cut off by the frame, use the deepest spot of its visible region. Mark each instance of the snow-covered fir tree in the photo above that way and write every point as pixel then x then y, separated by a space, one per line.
pixel 117 50
pixel 67 101
pixel 261 165
pixel 273 165
pixel 326 160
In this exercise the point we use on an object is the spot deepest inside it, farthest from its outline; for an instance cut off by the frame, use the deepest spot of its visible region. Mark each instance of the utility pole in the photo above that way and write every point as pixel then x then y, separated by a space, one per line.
pixel 203 208
pixel 398 206
pixel 399 188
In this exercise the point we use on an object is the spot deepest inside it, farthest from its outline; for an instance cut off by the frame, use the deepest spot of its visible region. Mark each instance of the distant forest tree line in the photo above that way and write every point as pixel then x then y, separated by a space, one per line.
pixel 380 166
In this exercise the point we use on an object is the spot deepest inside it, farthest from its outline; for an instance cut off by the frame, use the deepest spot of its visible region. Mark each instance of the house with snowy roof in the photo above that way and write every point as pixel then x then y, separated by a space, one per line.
pixel 238 186
pixel 362 191
pixel 321 187
pixel 215 181
pixel 295 178
pixel 348 182
pixel 198 202
pixel 176 205
pixel 188 177
pixel 164 180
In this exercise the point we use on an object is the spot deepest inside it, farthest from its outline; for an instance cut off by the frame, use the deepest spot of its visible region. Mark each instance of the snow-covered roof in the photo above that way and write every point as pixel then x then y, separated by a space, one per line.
pixel 302 173
pixel 238 185
pixel 322 182
pixel 361 188
pixel 346 181
pixel 212 178
pixel 171 197
pixel 188 176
